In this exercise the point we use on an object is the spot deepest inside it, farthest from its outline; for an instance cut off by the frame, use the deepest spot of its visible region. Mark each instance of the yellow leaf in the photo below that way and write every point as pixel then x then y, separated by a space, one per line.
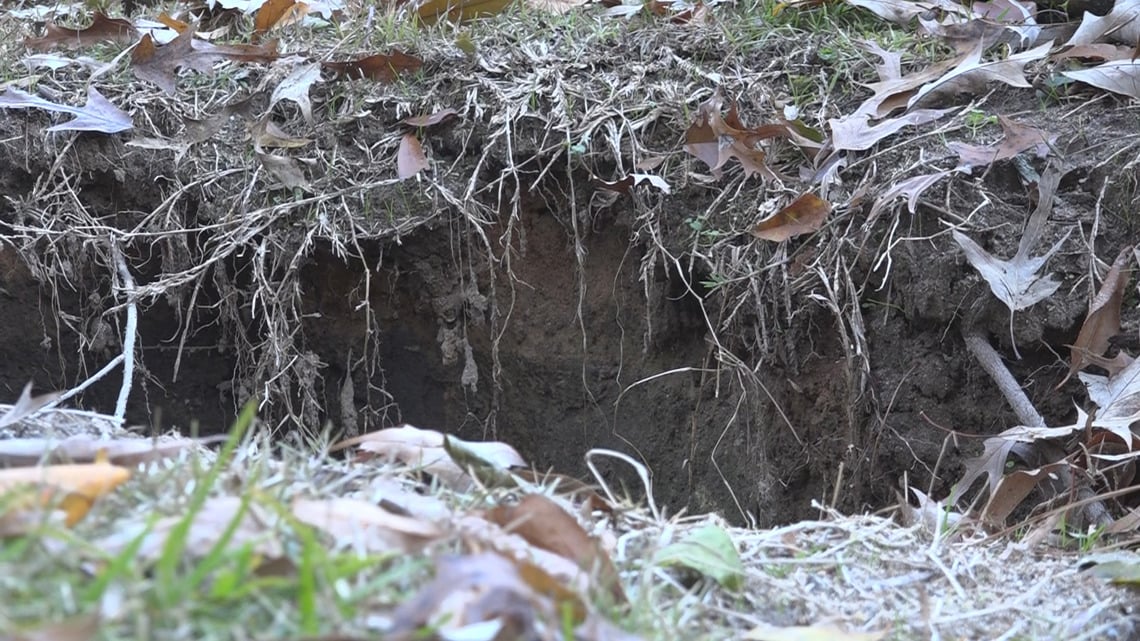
pixel 71 489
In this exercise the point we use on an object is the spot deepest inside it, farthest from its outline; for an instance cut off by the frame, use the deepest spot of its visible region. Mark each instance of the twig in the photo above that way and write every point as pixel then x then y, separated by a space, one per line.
pixel 991 361
pixel 129 334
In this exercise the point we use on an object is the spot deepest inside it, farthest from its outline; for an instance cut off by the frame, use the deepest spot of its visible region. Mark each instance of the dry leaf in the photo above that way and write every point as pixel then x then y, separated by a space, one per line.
pixel 804 215
pixel 964 73
pixel 1016 282
pixel 1101 52
pixel 257 529
pixel 1103 319
pixel 295 87
pixel 275 14
pixel 379 67
pixel 285 169
pixel 1013 488
pixel 160 65
pixel 1117 76
pixel 26 405
pixel 97 115
pixel 431 119
pixel 544 524
pixel 432 11
pixel 84 448
pixel 72 489
pixel 470 592
pixel 365 526
pixel 425 449
pixel 855 133
pixel 410 158
pixel 102 29
pixel 911 188
pixel 715 139
pixel 624 185
pixel 1117 399
pixel 266 134
pixel 1018 138
pixel 1120 25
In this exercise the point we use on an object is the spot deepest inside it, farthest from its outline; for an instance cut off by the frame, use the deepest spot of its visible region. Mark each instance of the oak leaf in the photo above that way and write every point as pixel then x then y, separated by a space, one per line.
pixel 804 215
pixel 160 64
pixel 1117 76
pixel 102 29
pixel 378 67
pixel 1016 282
pixel 1103 320
pixel 97 115
pixel 1018 138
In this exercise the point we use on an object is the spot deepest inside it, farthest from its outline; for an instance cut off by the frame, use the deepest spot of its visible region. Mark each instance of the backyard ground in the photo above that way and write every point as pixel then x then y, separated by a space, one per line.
pixel 793 260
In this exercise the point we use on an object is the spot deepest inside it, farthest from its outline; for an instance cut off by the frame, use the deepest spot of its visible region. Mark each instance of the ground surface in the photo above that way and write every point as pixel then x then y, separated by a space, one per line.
pixel 503 294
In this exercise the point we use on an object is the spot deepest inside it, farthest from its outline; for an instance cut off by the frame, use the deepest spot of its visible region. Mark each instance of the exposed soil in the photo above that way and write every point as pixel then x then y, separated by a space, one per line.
pixel 572 321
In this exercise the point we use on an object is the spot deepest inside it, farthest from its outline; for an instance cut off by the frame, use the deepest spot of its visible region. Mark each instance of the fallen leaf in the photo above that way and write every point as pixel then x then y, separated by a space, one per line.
pixel 1017 139
pixel 285 169
pixel 364 526
pixel 1097 51
pixel 160 65
pixel 935 517
pixel 911 188
pixel 1117 76
pixel 102 29
pixel 1012 489
pixel 72 489
pixel 257 528
pixel 275 14
pixel 410 158
pixel 97 115
pixel 432 11
pixel 973 73
pixel 855 133
pixel 379 67
pixel 804 215
pixel 544 524
pixel 709 551
pixel 964 73
pixel 1016 282
pixel 626 184
pixel 83 448
pixel 991 462
pixel 431 119
pixel 715 139
pixel 1117 399
pixel 484 596
pixel 1103 320
pixel 26 405
pixel 1120 25
pixel 424 449
pixel 296 86
pixel 266 134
